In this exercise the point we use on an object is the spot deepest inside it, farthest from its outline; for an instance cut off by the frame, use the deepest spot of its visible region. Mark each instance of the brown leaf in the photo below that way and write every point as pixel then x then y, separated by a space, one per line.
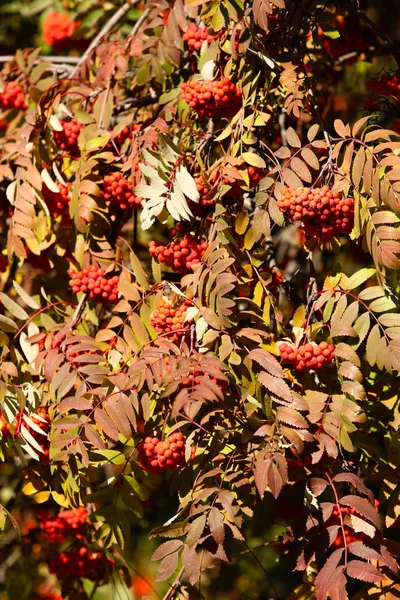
pixel 191 564
pixel 364 571
pixel 216 525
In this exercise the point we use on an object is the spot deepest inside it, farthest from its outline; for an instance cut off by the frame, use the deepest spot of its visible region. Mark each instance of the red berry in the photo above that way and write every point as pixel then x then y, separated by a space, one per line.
pixel 307 357
pixel 12 97
pixel 58 29
pixel 324 213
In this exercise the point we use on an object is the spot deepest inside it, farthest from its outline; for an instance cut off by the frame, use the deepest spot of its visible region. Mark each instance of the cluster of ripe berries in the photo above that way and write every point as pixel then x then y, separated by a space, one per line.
pixel 169 319
pixel 58 202
pixel 156 456
pixel 67 138
pixel 93 280
pixel 179 255
pixel 119 192
pixel 80 562
pixel 324 213
pixel 386 85
pixel 12 97
pixel 307 357
pixel 217 98
pixel 58 29
pixel 195 36
pixel 68 523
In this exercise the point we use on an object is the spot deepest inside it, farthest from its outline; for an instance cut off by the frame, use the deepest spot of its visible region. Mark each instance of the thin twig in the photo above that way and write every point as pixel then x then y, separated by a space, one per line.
pixel 106 29
pixel 174 586
pixel 54 59
pixel 78 311
pixel 139 22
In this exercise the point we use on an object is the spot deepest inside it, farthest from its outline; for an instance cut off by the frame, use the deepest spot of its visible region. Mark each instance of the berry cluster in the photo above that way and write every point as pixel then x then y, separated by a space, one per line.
pixel 13 97
pixel 45 592
pixel 80 562
pixel 58 29
pixel 119 192
pixel 58 202
pixel 156 456
pixel 195 36
pixel 307 357
pixel 169 318
pixel 179 255
pixel 386 85
pixel 68 523
pixel 324 213
pixel 93 280
pixel 218 98
pixel 67 139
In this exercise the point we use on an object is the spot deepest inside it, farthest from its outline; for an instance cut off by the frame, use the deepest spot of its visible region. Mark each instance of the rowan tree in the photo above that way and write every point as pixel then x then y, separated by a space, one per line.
pixel 200 314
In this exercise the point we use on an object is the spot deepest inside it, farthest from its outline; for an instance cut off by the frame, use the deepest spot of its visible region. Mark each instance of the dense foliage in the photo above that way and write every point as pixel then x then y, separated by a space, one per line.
pixel 200 312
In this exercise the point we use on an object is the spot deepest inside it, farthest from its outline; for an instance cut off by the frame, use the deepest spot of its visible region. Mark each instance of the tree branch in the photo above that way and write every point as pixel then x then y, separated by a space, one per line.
pixel 106 29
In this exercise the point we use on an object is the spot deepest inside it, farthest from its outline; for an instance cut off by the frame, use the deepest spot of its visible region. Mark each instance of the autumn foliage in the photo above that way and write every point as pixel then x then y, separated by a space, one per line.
pixel 199 302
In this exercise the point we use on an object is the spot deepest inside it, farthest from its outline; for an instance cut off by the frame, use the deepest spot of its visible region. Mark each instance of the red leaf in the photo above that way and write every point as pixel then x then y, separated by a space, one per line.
pixel 317 485
pixel 355 481
pixel 364 508
pixel 166 548
pixel 364 571
pixel 216 525
pixel 167 566
pixel 330 579
pixel 191 564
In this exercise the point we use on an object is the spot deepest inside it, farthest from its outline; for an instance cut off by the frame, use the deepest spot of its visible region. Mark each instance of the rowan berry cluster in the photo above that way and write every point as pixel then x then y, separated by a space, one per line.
pixel 307 357
pixel 386 85
pixel 195 37
pixel 80 562
pixel 180 255
pixel 67 138
pixel 58 202
pixel 12 97
pixel 217 98
pixel 169 318
pixel 4 427
pixel 324 213
pixel 157 456
pixel 45 592
pixel 68 523
pixel 119 192
pixel 58 29
pixel 93 280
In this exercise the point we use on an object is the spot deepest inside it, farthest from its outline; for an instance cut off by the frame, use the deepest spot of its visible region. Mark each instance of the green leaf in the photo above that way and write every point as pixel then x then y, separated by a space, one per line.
pixel 254 160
